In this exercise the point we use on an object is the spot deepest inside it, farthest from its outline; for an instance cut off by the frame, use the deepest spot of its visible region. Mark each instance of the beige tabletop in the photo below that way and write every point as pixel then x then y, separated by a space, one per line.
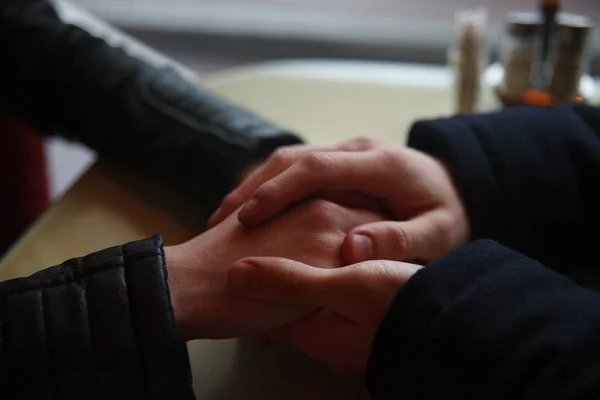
pixel 325 102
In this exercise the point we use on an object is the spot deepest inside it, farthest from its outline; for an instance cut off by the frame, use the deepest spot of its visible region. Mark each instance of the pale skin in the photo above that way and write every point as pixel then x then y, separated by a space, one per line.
pixel 427 216
pixel 426 220
pixel 350 301
pixel 205 307
pixel 329 314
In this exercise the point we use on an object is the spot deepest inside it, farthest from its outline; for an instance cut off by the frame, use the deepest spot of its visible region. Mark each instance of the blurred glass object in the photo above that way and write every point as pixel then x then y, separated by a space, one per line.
pixel 468 58
pixel 510 78
pixel 254 30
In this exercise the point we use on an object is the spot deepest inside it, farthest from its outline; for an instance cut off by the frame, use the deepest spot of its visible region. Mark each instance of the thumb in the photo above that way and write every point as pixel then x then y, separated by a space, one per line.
pixel 393 240
pixel 281 280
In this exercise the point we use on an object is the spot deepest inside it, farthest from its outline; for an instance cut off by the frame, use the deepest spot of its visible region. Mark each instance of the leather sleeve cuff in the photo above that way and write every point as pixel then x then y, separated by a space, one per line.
pixel 100 325
pixel 233 136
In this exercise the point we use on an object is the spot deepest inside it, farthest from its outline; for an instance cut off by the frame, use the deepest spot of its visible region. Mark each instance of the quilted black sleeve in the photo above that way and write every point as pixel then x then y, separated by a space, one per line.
pixel 65 81
pixel 99 326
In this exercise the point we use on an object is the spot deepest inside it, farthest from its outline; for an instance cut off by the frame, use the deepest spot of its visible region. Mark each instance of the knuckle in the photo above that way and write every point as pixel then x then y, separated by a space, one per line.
pixel 442 231
pixel 389 157
pixel 266 192
pixel 323 211
pixel 402 239
pixel 373 276
pixel 294 279
pixel 376 285
pixel 329 240
pixel 390 277
pixel 326 246
pixel 318 161
pixel 365 143
pixel 283 156
pixel 443 228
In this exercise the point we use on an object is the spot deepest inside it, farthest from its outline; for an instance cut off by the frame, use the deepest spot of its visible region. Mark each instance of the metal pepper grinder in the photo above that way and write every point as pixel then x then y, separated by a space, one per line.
pixel 571 57
pixel 558 80
pixel 559 46
pixel 565 77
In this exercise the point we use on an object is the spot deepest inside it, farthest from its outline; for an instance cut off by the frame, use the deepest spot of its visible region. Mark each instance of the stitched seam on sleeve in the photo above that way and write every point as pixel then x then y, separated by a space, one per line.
pixel 71 276
pixel 52 377
pixel 3 346
pixel 134 326
pixel 91 334
pixel 166 290
pixel 163 269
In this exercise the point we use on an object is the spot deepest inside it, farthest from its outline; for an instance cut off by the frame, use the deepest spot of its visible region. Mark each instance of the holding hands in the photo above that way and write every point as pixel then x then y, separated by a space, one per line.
pixel 403 206
pixel 350 301
pixel 204 305
pixel 427 219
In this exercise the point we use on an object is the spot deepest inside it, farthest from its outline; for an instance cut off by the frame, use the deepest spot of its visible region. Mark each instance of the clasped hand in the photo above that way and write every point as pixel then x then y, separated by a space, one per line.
pixel 400 205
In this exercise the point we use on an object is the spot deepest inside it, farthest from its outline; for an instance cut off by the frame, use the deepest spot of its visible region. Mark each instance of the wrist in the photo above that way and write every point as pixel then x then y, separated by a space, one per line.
pixel 176 267
pixel 197 285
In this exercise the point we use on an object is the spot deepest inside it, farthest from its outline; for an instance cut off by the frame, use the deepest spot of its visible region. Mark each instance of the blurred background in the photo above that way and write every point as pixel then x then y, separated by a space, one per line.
pixel 210 35
pixel 389 38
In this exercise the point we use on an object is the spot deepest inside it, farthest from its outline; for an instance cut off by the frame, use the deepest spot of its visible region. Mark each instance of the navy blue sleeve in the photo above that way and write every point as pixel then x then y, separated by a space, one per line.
pixel 488 323
pixel 529 176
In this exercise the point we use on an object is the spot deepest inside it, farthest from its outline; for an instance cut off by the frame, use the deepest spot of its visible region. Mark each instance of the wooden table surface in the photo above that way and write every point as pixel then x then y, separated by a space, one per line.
pixel 326 102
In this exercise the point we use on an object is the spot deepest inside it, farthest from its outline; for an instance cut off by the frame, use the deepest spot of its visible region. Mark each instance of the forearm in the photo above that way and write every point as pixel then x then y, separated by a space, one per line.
pixel 66 81
pixel 486 322
pixel 527 176
pixel 101 325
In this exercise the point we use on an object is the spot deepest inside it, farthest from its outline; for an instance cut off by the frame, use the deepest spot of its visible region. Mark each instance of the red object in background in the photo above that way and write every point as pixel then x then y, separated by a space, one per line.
pixel 24 193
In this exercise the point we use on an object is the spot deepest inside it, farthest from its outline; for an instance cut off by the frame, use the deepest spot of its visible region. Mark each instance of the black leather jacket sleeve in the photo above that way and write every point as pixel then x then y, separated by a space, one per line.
pixel 65 81
pixel 100 326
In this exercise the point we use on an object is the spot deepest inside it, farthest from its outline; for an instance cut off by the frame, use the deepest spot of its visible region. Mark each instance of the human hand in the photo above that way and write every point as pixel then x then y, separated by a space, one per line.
pixel 204 306
pixel 254 176
pixel 352 301
pixel 428 218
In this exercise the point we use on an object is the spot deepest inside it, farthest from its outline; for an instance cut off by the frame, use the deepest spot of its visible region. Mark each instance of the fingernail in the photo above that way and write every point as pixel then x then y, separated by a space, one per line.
pixel 362 247
pixel 213 217
pixel 242 278
pixel 248 209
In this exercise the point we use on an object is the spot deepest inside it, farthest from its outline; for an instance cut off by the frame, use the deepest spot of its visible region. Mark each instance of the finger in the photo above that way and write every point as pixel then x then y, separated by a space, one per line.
pixel 281 160
pixel 353 199
pixel 280 280
pixel 357 292
pixel 340 218
pixel 319 336
pixel 278 162
pixel 418 238
pixel 361 171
